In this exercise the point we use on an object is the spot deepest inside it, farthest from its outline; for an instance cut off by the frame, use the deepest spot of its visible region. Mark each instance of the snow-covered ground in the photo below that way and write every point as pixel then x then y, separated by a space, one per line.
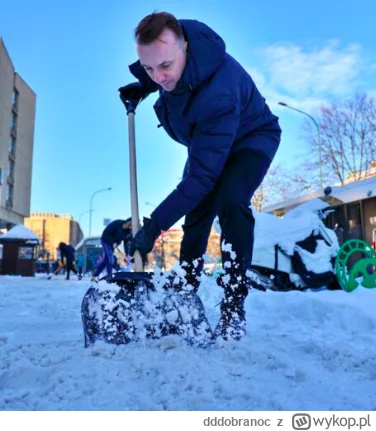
pixel 303 351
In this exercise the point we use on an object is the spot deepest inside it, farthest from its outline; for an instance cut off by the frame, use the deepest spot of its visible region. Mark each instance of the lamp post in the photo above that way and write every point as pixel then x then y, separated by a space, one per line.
pixel 84 212
pixel 91 204
pixel 318 134
pixel 162 241
pixel 80 216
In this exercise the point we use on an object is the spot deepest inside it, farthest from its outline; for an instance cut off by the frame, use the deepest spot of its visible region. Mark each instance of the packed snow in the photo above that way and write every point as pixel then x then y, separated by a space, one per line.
pixel 312 350
pixel 303 351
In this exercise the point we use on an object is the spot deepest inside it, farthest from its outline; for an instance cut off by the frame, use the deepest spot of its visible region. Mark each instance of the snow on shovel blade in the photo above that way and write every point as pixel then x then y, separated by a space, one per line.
pixel 127 308
pixel 185 316
pixel 121 310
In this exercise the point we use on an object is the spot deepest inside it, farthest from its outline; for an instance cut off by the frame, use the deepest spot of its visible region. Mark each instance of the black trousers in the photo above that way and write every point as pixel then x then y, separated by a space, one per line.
pixel 70 267
pixel 230 200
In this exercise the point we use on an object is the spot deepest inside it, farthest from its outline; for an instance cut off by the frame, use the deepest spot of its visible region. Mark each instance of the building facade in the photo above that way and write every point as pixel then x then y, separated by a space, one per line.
pixel 52 229
pixel 166 249
pixel 17 118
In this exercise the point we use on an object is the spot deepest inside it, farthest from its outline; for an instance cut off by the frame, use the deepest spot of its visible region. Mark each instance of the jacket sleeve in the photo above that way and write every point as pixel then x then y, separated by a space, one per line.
pixel 126 235
pixel 211 144
pixel 140 73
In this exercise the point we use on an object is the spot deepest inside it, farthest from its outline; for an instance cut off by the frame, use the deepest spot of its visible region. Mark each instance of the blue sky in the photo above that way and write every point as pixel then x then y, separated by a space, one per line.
pixel 75 54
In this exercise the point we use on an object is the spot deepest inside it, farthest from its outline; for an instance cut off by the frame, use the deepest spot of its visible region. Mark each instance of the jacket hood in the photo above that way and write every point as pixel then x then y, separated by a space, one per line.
pixel 206 52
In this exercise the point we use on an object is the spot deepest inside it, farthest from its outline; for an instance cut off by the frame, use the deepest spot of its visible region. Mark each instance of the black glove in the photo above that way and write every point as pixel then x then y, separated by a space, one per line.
pixel 145 237
pixel 134 93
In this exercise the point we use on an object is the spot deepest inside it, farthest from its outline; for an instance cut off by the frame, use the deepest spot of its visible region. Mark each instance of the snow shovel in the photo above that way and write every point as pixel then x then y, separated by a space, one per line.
pixel 132 310
pixel 126 311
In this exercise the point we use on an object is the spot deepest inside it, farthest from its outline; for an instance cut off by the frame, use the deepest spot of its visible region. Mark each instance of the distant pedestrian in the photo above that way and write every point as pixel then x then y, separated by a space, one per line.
pixel 67 255
pixel 116 232
pixel 80 263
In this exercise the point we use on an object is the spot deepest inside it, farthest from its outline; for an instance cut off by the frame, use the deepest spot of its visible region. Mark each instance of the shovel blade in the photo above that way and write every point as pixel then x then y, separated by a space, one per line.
pixel 127 308
pixel 113 312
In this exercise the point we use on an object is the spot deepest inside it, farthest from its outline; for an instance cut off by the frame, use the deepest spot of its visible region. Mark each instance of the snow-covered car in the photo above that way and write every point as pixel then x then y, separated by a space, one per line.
pixel 294 252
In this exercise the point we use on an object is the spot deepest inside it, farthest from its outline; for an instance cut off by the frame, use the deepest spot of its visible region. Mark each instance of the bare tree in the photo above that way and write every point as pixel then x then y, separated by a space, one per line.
pixel 348 139
pixel 280 184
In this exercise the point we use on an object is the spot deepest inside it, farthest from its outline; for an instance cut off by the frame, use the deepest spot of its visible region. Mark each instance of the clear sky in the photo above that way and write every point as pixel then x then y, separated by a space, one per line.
pixel 75 54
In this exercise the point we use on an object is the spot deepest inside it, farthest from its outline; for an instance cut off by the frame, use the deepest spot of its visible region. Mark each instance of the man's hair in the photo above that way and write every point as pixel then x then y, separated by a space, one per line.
pixel 150 28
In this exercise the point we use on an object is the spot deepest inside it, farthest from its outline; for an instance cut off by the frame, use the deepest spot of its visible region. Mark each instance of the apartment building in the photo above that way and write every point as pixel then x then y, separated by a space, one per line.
pixel 17 117
pixel 54 228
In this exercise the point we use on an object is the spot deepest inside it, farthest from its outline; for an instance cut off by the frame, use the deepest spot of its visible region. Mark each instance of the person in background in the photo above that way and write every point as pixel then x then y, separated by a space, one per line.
pixel 67 253
pixel 80 263
pixel 114 233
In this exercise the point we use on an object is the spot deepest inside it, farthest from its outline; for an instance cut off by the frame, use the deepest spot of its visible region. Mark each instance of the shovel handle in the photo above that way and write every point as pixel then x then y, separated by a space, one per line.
pixel 138 263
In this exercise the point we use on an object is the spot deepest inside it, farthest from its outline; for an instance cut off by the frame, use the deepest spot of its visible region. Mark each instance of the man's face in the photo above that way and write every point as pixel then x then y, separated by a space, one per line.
pixel 164 59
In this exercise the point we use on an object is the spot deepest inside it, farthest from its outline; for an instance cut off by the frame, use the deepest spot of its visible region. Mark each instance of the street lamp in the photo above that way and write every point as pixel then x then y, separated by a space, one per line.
pixel 80 216
pixel 91 204
pixel 318 134
pixel 162 241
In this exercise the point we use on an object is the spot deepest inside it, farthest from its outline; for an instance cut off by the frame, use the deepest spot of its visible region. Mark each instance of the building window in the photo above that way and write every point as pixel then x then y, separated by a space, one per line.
pixel 12 145
pixel 11 169
pixel 15 99
pixel 9 195
pixel 354 220
pixel 13 121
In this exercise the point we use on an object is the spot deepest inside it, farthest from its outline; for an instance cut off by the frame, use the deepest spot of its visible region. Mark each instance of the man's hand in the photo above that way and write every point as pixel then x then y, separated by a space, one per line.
pixel 134 92
pixel 145 238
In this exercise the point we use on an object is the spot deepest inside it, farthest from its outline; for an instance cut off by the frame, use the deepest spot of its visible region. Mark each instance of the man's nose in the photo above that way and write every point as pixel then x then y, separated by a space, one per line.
pixel 158 77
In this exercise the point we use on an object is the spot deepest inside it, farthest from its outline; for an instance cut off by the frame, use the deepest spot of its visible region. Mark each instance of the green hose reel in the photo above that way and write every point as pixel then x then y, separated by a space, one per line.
pixel 363 271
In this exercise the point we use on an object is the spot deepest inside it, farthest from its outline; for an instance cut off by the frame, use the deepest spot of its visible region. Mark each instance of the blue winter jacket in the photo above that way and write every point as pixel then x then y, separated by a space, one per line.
pixel 114 233
pixel 215 111
pixel 80 260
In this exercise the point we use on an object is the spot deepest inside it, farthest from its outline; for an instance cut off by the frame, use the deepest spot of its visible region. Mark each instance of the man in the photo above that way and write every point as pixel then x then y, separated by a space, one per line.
pixel 210 104
pixel 112 236
pixel 67 255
